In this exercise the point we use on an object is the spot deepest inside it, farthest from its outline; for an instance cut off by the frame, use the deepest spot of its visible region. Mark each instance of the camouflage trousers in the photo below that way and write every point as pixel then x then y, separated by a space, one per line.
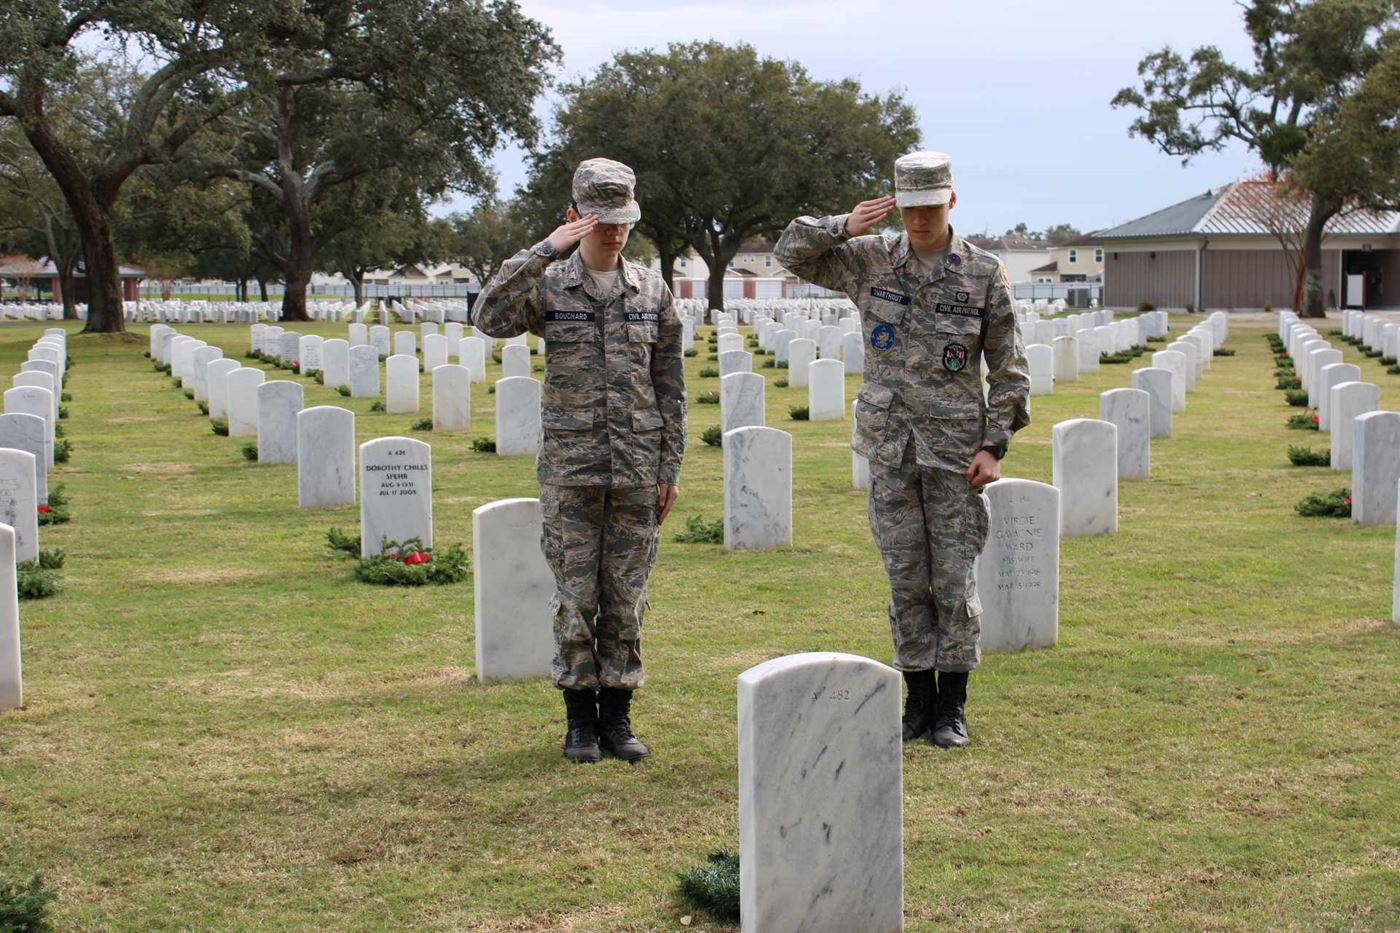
pixel 930 525
pixel 600 541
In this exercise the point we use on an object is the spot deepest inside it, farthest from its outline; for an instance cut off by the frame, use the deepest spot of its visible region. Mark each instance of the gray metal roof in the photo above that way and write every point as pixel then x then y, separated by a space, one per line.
pixel 1246 208
pixel 1178 220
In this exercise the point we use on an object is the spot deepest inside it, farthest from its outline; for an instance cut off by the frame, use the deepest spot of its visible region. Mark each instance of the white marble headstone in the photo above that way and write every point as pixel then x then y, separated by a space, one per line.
pixel 1041 361
pixel 11 671
pixel 735 361
pixel 406 343
pixel 821 843
pixel 325 457
pixel 335 363
pixel 401 383
pixel 757 489
pixel 216 374
pixel 311 353
pixel 396 492
pixel 801 353
pixel 860 467
pixel 381 339
pixel 741 401
pixel 513 589
pixel 242 386
pixel 364 372
pixel 434 351
pixel 1130 410
pixel 826 390
pixel 452 396
pixel 1084 464
pixel 1018 571
pixel 1066 359
pixel 1349 401
pixel 279 402
pixel 1157 383
pixel 515 361
pixel 1328 378
pixel 29 433
pixel 853 353
pixel 19 501
pixel 518 428
pixel 1375 468
pixel 472 352
pixel 1176 362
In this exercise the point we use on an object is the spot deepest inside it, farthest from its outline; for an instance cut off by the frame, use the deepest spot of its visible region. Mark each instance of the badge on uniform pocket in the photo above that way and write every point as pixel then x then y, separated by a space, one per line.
pixel 954 357
pixel 882 337
pixel 962 296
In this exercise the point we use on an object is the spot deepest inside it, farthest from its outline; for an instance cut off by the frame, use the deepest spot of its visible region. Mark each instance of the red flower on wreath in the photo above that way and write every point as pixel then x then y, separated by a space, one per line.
pixel 44 510
pixel 1347 500
pixel 1315 419
pixel 393 556
pixel 1283 356
pixel 417 557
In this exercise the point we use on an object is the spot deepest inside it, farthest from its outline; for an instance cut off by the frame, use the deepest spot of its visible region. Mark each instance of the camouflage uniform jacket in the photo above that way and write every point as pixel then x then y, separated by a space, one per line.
pixel 924 336
pixel 613 406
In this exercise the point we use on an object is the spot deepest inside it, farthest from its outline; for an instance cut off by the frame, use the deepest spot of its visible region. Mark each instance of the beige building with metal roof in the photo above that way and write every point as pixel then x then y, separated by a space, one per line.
pixel 1221 251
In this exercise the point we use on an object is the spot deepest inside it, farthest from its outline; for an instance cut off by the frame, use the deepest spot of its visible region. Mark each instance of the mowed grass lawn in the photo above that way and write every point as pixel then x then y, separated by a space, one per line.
pixel 224 731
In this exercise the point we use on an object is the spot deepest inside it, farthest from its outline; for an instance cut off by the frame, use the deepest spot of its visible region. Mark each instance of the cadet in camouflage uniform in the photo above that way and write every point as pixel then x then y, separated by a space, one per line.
pixel 613 412
pixel 932 305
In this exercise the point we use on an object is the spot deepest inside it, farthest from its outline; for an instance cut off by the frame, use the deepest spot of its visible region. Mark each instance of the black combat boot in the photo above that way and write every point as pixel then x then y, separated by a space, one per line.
pixel 920 704
pixel 950 726
pixel 581 739
pixel 615 725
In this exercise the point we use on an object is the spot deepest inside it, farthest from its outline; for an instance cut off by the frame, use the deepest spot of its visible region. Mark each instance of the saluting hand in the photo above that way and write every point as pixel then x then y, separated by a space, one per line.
pixel 867 214
pixel 566 235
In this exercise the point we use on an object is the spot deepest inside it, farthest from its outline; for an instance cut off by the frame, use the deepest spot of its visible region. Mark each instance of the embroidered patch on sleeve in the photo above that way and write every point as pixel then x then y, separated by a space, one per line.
pixel 882 337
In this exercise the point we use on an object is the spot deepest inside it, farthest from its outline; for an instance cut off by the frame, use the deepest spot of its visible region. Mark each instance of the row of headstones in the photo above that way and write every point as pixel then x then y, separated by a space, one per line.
pixel 1376 333
pixel 28 430
pixel 26 457
pixel 251 312
pixel 1364 439
pixel 1062 357
pixel 38 311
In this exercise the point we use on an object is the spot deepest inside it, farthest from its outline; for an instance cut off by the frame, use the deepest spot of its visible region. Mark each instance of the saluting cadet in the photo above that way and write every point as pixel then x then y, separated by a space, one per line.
pixel 932 307
pixel 613 411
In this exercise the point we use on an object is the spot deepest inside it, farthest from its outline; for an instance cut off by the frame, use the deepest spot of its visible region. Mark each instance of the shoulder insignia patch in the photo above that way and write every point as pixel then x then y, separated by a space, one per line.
pixel 882 337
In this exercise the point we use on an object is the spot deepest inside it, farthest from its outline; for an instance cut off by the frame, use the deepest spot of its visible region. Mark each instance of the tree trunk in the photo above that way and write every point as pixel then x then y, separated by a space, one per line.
pixel 103 271
pixel 66 282
pixel 262 289
pixel 1321 211
pixel 357 282
pixel 240 290
pixel 300 255
pixel 667 260
pixel 94 222
pixel 716 284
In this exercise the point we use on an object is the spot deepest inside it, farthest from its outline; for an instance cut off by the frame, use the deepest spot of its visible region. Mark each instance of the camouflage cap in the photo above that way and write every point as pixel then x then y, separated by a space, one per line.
pixel 923 179
pixel 606 188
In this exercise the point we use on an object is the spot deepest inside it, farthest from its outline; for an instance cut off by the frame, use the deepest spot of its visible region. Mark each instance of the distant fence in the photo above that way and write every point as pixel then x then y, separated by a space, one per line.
pixel 1075 294
pixel 151 291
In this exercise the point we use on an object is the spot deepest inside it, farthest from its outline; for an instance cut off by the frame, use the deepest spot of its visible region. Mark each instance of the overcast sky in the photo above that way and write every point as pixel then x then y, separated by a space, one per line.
pixel 1016 91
